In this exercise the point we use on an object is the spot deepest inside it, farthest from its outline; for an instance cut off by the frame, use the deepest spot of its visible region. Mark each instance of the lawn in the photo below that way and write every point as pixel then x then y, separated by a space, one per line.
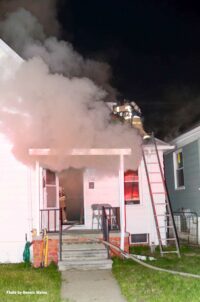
pixel 21 282
pixel 140 284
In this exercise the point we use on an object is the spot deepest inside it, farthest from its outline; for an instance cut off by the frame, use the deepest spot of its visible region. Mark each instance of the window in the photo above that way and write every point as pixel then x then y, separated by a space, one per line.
pixel 50 189
pixel 50 177
pixel 131 187
pixel 179 169
pixel 139 238
pixel 91 184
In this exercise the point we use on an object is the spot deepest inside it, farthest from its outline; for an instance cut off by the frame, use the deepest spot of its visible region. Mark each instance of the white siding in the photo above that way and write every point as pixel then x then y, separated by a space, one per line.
pixel 15 212
pixel 9 61
pixel 106 190
pixel 139 217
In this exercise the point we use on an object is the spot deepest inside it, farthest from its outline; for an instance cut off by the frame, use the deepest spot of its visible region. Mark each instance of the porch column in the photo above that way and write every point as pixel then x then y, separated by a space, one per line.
pixel 121 200
pixel 37 192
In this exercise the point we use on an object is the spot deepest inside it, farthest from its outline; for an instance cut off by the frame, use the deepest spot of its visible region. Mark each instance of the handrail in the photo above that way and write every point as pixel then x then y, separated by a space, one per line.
pixel 105 228
pixel 60 233
pixel 105 224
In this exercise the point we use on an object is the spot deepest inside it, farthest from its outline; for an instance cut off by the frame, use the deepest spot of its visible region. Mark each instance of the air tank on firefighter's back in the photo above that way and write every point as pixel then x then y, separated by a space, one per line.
pixel 128 111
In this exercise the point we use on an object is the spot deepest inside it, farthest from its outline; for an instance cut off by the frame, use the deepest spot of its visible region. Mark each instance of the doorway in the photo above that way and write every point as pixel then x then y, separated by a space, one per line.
pixel 71 181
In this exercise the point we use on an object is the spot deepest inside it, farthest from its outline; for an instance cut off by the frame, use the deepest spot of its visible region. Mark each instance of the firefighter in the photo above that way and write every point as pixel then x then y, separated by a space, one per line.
pixel 62 202
pixel 130 112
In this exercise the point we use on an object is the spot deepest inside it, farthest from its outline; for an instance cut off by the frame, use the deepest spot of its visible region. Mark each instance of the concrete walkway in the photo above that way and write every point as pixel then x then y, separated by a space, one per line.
pixel 89 286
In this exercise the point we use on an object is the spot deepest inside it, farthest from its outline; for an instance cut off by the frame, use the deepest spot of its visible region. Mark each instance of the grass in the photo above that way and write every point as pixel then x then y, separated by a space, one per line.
pixel 25 281
pixel 140 284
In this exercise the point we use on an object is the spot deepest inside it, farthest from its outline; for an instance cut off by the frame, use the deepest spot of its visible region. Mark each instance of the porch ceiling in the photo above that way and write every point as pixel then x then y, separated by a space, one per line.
pixel 81 151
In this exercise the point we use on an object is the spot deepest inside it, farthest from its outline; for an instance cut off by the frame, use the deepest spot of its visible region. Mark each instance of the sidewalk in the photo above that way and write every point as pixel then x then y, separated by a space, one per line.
pixel 89 286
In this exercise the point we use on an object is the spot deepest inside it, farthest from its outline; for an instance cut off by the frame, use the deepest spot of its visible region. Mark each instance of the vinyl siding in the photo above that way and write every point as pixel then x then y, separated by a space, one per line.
pixel 188 198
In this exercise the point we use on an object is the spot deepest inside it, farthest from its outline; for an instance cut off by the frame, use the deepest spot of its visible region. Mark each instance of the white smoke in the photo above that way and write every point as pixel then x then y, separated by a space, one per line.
pixel 23 32
pixel 63 110
pixel 21 29
pixel 61 57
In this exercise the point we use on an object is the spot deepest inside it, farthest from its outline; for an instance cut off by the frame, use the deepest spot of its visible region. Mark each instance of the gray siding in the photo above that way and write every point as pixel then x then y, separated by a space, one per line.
pixel 188 198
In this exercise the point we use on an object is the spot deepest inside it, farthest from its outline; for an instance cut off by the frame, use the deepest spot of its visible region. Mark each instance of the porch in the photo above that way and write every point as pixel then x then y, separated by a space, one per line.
pixel 100 220
pixel 105 225
pixel 80 249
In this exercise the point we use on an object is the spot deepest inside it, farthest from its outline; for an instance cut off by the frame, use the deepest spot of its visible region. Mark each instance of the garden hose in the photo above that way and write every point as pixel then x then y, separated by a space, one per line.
pixel 129 256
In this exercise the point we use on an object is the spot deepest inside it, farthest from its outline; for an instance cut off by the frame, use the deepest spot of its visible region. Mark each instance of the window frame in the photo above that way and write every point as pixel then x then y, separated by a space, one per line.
pixel 132 201
pixel 132 242
pixel 176 169
pixel 50 185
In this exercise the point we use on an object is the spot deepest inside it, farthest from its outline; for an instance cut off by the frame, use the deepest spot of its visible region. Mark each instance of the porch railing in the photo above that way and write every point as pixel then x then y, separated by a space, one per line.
pixel 187 227
pixel 49 220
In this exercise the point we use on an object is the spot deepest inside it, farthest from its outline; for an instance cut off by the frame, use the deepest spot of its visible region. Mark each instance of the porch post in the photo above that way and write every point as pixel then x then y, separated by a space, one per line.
pixel 121 200
pixel 37 188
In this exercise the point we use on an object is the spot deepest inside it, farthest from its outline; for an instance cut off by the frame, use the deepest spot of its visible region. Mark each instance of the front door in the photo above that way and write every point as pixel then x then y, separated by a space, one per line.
pixel 50 211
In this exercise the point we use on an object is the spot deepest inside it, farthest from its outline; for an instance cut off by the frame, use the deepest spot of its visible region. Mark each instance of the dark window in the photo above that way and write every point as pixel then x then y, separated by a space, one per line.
pixel 50 177
pixel 179 170
pixel 180 178
pixel 91 185
pixel 50 192
pixel 139 238
pixel 51 197
pixel 131 187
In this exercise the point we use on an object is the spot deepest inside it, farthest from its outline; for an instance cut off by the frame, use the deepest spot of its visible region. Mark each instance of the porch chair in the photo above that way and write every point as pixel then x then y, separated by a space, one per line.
pixel 97 213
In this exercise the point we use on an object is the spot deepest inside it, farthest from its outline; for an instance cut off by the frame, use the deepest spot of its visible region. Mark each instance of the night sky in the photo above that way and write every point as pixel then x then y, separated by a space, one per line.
pixel 153 48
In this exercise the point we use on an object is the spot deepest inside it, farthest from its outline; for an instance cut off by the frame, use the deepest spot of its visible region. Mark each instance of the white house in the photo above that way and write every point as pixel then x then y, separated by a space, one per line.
pixel 29 195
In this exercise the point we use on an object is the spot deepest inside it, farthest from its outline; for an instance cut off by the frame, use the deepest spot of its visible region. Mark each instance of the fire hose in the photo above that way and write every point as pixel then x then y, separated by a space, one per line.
pixel 134 258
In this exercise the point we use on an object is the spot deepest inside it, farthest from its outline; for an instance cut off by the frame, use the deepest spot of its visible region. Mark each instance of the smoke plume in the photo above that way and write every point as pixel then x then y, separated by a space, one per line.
pixel 56 99
pixel 24 33
pixel 43 10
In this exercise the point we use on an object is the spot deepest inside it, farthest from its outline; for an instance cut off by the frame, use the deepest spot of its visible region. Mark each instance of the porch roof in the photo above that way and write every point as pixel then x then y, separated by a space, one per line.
pixel 80 151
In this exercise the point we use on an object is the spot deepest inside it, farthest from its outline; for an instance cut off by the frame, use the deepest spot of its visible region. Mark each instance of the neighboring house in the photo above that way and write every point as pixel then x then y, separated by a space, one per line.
pixel 182 170
pixel 29 195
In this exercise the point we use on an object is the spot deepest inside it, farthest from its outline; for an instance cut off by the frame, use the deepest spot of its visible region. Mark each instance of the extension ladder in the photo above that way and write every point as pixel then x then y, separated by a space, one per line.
pixel 153 183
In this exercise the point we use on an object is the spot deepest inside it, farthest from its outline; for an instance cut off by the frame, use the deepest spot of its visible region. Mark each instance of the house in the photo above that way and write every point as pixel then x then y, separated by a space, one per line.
pixel 182 170
pixel 29 195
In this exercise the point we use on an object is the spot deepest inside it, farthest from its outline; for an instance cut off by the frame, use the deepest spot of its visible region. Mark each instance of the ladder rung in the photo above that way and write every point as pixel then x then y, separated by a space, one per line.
pixel 163 193
pixel 154 172
pixel 160 203
pixel 152 163
pixel 156 182
pixel 167 239
pixel 169 252
pixel 164 226
pixel 160 215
